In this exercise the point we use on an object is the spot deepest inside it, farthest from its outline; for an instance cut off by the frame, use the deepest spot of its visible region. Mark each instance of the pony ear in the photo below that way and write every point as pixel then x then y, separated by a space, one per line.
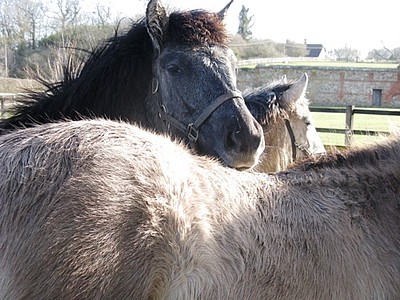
pixel 156 23
pixel 223 12
pixel 297 90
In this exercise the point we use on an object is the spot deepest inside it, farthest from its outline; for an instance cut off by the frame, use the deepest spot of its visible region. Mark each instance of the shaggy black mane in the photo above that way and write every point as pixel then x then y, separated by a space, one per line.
pixel 114 81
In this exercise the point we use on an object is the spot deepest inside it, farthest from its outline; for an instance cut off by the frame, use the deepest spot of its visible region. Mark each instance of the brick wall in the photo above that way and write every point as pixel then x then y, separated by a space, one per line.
pixel 332 86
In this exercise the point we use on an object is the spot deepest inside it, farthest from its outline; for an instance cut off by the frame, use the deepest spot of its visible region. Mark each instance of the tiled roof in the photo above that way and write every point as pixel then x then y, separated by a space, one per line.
pixel 314 50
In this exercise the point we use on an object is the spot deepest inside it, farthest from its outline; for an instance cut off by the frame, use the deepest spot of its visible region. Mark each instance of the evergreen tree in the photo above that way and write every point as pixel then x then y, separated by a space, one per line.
pixel 245 24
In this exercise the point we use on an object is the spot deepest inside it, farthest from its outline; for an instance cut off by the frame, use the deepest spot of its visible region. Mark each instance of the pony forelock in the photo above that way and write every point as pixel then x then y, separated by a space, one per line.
pixel 196 27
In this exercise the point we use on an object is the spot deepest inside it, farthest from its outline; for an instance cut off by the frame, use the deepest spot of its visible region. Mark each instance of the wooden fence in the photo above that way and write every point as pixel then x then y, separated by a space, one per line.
pixel 350 111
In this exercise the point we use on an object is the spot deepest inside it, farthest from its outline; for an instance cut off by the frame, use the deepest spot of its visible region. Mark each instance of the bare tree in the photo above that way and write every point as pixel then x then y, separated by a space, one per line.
pixel 33 12
pixel 102 15
pixel 21 21
pixel 32 36
pixel 13 24
pixel 67 13
pixel 20 26
pixel 385 54
pixel 346 54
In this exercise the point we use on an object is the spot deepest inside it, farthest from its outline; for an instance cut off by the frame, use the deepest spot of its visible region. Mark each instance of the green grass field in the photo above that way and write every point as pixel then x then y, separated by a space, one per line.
pixel 330 64
pixel 360 122
pixel 342 64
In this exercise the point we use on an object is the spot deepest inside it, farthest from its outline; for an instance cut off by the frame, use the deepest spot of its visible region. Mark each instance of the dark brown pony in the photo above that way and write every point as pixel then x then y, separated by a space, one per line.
pixel 104 210
pixel 171 73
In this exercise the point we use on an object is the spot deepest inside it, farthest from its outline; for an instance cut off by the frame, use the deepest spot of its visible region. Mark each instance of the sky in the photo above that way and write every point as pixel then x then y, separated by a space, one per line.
pixel 359 25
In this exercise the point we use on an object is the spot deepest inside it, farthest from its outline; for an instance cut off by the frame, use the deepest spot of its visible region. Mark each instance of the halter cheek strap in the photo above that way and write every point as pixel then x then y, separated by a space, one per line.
pixel 295 145
pixel 192 130
pixel 292 138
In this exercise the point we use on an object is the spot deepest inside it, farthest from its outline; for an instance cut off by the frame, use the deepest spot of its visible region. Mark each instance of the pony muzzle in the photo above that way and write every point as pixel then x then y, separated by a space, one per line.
pixel 244 147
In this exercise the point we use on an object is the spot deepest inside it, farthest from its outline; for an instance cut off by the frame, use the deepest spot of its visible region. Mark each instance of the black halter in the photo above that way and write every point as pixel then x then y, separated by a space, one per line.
pixel 191 130
pixel 295 145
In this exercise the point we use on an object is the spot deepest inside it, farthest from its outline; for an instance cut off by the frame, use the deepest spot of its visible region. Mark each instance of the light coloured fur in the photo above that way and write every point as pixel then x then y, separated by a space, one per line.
pixel 291 105
pixel 104 210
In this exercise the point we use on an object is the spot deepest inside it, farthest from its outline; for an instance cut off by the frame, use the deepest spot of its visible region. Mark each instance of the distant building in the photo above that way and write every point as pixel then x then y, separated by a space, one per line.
pixel 315 50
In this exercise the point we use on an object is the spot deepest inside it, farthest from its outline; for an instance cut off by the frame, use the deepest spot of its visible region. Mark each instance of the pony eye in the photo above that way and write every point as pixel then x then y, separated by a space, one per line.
pixel 174 70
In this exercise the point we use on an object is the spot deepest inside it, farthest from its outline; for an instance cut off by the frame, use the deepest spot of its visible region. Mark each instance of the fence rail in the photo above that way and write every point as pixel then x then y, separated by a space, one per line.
pixel 350 111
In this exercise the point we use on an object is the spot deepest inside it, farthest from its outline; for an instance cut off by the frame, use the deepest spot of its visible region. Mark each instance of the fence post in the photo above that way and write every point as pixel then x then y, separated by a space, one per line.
pixel 1 106
pixel 348 138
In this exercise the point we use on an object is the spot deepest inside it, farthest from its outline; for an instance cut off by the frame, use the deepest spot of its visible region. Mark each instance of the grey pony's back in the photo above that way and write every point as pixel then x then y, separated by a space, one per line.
pixel 104 210
pixel 47 166
pixel 83 183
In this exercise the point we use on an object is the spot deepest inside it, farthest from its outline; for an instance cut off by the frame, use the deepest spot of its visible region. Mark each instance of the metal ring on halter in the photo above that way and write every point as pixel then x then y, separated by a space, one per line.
pixel 162 111
pixel 192 133
pixel 271 95
pixel 154 85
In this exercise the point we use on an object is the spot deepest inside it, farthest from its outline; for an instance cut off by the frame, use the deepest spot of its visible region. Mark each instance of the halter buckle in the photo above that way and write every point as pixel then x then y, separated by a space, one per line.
pixel 192 133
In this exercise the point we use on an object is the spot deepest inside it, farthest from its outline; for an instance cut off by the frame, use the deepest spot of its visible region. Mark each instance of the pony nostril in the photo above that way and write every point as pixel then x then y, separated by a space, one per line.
pixel 230 141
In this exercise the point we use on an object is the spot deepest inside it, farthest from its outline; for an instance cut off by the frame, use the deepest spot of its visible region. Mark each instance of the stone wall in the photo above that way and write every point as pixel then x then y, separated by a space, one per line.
pixel 332 86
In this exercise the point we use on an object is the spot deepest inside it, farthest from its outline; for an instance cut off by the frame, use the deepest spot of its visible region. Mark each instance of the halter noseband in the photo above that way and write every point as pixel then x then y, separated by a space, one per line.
pixel 192 129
